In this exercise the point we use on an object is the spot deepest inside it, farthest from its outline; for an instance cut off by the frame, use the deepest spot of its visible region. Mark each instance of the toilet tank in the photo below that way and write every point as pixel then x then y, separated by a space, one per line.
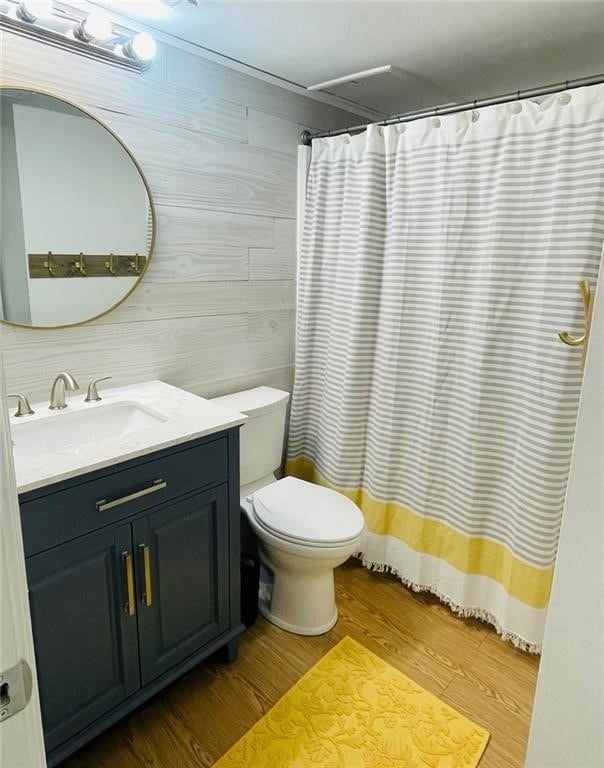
pixel 262 434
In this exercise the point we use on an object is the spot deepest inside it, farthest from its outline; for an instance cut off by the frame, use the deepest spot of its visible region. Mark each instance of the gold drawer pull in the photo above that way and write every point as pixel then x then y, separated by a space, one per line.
pixel 148 593
pixel 158 485
pixel 130 604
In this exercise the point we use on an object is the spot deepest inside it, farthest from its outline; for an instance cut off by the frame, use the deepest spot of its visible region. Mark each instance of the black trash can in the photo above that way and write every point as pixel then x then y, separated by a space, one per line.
pixel 250 573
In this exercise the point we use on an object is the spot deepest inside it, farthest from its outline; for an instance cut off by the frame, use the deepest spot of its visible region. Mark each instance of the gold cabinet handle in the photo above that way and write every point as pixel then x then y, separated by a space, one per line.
pixel 103 505
pixel 148 593
pixel 130 603
pixel 581 341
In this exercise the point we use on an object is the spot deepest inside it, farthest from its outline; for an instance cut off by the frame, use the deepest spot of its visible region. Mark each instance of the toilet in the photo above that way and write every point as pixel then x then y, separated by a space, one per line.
pixel 304 530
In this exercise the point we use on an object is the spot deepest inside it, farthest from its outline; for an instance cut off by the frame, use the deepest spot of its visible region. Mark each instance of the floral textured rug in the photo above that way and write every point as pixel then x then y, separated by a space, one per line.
pixel 354 710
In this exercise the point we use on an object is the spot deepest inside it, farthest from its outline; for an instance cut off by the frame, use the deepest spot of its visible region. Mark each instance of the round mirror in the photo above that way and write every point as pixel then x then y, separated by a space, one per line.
pixel 76 217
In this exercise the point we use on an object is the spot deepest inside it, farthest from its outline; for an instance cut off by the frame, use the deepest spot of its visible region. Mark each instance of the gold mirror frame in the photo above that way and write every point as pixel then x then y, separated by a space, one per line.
pixel 7 86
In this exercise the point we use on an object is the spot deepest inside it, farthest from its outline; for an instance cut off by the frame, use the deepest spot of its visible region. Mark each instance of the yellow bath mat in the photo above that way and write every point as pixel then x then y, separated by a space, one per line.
pixel 353 710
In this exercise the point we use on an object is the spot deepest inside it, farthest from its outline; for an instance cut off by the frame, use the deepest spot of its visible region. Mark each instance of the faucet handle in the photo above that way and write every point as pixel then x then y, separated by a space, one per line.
pixel 92 395
pixel 23 407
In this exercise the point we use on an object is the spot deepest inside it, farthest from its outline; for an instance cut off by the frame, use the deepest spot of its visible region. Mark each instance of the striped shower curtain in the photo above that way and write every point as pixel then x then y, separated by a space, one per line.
pixel 439 260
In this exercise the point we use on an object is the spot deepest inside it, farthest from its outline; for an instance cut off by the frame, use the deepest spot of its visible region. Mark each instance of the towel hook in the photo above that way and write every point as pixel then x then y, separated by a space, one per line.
pixel 581 341
pixel 49 265
pixel 80 264
pixel 135 264
pixel 111 264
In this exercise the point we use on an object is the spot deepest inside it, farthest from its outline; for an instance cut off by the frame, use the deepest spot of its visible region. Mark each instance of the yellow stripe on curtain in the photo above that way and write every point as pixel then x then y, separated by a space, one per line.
pixel 474 556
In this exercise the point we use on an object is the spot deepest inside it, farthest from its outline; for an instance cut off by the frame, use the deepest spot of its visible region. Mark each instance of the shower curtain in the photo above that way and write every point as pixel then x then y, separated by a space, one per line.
pixel 439 260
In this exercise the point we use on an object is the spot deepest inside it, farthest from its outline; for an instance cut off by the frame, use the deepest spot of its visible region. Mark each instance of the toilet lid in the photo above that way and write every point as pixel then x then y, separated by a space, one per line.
pixel 303 511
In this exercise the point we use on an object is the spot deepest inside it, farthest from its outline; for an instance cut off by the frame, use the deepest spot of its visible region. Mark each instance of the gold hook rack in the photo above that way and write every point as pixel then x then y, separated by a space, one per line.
pixel 583 340
pixel 61 265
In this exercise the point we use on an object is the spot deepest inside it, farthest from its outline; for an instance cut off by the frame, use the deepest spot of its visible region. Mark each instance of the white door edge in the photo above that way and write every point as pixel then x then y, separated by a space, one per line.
pixel 21 737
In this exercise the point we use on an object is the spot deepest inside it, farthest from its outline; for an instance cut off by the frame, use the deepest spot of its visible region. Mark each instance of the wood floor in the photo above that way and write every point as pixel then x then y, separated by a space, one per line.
pixel 196 720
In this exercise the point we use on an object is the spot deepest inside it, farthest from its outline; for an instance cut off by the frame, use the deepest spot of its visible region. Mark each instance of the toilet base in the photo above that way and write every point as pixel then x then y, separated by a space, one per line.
pixel 296 630
pixel 299 595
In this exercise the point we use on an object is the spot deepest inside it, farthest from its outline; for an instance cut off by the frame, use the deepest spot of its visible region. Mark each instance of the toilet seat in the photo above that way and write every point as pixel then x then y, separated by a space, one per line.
pixel 302 543
pixel 308 514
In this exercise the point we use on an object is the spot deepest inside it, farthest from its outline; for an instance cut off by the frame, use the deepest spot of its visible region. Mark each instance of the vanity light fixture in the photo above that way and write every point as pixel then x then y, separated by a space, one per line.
pixel 91 34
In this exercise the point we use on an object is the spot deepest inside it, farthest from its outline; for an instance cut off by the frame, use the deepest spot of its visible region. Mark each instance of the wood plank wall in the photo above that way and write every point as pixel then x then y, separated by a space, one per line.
pixel 215 312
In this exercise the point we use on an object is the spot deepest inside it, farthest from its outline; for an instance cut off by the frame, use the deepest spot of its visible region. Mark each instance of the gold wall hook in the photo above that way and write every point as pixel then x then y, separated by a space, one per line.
pixel 80 264
pixel 111 264
pixel 49 264
pixel 583 340
pixel 135 265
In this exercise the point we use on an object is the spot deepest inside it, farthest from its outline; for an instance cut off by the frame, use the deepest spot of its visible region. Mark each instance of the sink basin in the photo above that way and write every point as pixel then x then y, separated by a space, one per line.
pixel 82 427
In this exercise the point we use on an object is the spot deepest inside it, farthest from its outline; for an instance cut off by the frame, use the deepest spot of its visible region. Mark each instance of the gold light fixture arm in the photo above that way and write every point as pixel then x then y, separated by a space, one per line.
pixel 581 341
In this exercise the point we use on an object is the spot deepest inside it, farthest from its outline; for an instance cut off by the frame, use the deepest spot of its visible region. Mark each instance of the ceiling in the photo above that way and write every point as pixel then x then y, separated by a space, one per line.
pixel 448 51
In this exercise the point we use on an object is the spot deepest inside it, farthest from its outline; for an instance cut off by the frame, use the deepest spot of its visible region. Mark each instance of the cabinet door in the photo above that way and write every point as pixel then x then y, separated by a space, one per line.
pixel 85 634
pixel 182 569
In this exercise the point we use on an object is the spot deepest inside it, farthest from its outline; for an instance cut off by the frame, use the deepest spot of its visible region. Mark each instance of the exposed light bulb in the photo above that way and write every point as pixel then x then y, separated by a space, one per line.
pixel 142 46
pixel 96 26
pixel 30 10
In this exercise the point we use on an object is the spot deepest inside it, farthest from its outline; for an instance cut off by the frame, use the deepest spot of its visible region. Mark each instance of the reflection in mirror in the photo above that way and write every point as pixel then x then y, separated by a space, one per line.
pixel 76 217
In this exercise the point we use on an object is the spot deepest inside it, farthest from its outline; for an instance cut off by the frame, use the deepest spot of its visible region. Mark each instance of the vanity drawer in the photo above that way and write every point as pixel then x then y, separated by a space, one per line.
pixel 111 495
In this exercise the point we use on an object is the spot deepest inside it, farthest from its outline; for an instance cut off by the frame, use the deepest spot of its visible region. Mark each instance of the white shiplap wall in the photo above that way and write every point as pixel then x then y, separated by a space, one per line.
pixel 215 311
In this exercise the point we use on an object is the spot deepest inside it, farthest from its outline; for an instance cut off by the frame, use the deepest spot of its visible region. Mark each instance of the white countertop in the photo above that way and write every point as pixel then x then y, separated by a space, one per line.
pixel 188 417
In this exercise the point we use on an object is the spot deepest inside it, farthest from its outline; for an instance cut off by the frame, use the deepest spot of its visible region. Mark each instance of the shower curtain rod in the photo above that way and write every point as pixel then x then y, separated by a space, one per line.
pixel 306 137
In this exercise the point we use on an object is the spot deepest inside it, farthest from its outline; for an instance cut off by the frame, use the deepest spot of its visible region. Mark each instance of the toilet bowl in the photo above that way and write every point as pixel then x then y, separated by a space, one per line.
pixel 304 530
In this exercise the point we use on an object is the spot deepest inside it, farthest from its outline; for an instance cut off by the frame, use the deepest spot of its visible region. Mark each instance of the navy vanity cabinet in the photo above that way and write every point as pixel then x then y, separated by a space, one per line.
pixel 131 584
